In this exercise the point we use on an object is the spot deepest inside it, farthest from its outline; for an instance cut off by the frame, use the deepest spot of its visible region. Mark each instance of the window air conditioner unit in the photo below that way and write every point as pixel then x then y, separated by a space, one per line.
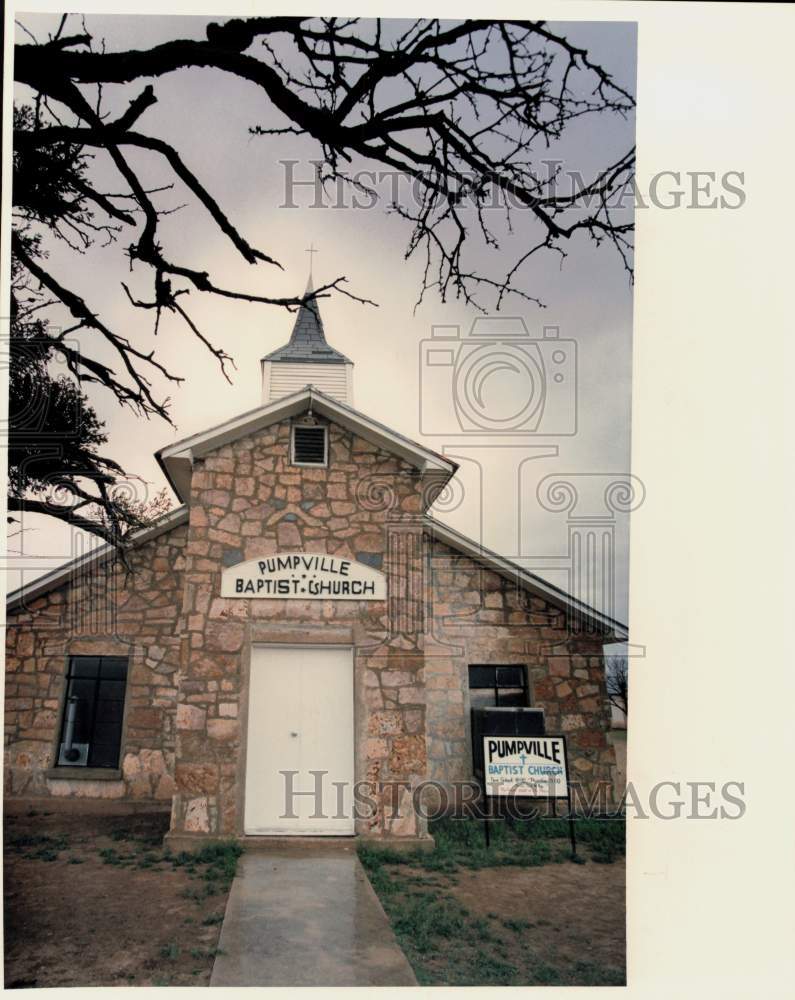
pixel 75 756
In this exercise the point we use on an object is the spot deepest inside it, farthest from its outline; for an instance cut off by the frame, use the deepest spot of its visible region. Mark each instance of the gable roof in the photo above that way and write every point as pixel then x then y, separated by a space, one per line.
pixel 176 460
pixel 436 530
pixel 523 578
pixel 61 574
pixel 308 340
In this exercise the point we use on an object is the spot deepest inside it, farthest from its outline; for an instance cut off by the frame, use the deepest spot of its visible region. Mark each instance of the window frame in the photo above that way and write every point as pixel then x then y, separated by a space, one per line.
pixel 310 465
pixel 90 770
pixel 497 687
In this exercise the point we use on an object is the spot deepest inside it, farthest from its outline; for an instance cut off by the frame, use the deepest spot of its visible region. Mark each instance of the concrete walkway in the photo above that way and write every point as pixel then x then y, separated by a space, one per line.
pixel 306 916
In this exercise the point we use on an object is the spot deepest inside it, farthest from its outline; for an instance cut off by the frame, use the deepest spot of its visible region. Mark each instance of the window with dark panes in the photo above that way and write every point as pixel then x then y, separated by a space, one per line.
pixel 93 712
pixel 500 686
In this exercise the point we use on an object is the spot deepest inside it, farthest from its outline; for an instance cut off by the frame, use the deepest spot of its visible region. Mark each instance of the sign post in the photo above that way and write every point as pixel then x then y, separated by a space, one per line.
pixel 532 766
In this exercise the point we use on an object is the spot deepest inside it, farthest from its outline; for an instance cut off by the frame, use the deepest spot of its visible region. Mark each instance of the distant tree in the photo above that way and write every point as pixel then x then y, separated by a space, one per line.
pixel 618 683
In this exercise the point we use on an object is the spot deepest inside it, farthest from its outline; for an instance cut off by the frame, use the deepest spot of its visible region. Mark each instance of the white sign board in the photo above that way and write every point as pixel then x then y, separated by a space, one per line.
pixel 526 765
pixel 304 576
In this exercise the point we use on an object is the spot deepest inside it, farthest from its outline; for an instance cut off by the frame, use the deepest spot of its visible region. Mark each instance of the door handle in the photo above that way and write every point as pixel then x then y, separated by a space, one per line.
pixel 293 734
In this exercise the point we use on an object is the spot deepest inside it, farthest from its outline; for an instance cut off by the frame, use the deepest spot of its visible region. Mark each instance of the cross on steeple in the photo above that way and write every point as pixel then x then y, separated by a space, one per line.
pixel 310 251
pixel 307 358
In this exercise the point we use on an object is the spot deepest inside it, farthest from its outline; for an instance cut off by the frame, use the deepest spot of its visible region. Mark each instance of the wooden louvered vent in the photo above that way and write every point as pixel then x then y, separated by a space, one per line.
pixel 309 445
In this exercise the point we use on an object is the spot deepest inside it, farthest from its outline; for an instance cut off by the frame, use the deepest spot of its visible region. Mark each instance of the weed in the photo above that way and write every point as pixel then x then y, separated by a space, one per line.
pixel 517 924
pixel 199 894
pixel 210 953
pixel 170 951
pixel 214 918
pixel 422 920
pixel 221 860
pixel 480 926
pixel 47 847
pixel 491 969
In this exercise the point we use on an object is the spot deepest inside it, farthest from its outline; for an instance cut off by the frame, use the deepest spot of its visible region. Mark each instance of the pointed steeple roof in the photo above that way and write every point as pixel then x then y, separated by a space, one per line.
pixel 308 340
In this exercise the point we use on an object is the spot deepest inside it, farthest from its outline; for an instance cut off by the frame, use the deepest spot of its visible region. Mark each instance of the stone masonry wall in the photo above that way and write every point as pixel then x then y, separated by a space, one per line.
pixel 103 612
pixel 248 501
pixel 187 697
pixel 480 617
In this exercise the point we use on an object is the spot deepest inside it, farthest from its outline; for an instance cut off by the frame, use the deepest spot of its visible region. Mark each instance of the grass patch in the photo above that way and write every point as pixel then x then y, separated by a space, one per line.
pixel 206 953
pixel 446 944
pixel 461 844
pixel 215 864
pixel 517 925
pixel 170 951
pixel 38 845
pixel 110 856
pixel 199 893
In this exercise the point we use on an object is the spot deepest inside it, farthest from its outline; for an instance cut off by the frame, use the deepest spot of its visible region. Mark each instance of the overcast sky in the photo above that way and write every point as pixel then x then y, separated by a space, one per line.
pixel 207 117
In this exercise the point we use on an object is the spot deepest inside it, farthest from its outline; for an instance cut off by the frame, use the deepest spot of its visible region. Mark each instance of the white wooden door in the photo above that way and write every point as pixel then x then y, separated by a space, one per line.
pixel 300 718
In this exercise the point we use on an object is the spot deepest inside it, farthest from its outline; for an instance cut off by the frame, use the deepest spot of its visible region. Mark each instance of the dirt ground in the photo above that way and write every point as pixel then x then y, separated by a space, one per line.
pixel 520 912
pixel 574 912
pixel 557 924
pixel 73 917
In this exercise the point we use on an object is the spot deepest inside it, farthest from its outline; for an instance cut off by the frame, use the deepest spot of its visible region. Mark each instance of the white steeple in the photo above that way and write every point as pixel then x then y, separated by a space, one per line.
pixel 307 360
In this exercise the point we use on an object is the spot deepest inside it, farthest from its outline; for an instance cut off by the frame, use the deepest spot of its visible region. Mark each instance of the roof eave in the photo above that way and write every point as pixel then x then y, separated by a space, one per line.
pixel 277 357
pixel 56 577
pixel 611 629
pixel 177 459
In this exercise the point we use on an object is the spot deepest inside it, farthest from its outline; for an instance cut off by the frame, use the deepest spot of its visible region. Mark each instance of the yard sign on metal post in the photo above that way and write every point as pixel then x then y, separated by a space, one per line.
pixel 528 766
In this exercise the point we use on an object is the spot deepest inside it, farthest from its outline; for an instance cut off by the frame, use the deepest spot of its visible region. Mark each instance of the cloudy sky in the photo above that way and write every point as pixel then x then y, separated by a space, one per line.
pixel 207 117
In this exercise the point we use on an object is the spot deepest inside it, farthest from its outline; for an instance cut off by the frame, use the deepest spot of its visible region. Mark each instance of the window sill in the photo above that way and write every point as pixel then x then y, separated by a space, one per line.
pixel 84 773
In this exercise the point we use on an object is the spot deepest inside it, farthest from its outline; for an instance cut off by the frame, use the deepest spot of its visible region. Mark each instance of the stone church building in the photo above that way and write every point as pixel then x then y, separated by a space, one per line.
pixel 296 648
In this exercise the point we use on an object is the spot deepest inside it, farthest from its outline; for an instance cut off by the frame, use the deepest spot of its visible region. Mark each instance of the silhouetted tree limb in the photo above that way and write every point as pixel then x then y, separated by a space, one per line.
pixel 465 109
pixel 55 466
